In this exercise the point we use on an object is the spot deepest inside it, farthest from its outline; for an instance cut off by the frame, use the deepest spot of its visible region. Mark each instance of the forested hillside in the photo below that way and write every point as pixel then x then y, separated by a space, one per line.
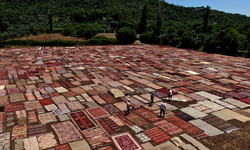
pixel 166 24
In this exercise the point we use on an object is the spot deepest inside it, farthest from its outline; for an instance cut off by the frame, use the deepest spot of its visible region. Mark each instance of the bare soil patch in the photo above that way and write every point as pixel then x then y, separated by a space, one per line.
pixel 49 37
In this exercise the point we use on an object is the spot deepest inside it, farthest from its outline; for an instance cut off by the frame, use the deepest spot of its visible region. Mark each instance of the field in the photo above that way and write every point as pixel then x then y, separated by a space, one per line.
pixel 54 97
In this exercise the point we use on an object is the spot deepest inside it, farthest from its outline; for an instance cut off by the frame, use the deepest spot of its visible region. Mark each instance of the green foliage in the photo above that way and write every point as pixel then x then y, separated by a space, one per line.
pixel 187 39
pixel 205 18
pixel 126 36
pixel 100 40
pixel 89 33
pixel 68 31
pixel 172 39
pixel 50 22
pixel 79 16
pixel 144 19
pixel 149 38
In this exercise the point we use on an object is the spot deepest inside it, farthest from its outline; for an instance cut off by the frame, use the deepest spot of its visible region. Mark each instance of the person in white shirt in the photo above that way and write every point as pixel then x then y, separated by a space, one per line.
pixel 128 106
pixel 163 108
pixel 170 94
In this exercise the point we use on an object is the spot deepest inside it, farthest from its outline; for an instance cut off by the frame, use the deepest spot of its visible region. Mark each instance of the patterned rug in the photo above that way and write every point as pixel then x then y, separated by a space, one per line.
pixel 47 117
pixel 105 148
pixel 105 127
pixel 62 147
pixel 5 141
pixel 21 114
pixel 76 105
pixel 111 108
pixel 32 105
pixel 111 123
pixel 148 115
pixel 30 143
pixel 17 97
pixel 97 112
pixel 82 120
pixel 185 126
pixel 136 119
pixel 35 130
pixel 168 127
pixel 2 117
pixel 128 123
pixel 4 100
pixel 126 141
pixel 185 116
pixel 121 105
pixel 143 137
pixel 108 98
pixel 160 94
pixel 10 119
pixel 116 120
pixel 99 99
pixel 157 135
pixel 13 107
pixel 46 101
pixel 59 99
pixel 66 132
pixel 19 131
pixel 136 128
pixel 46 140
pixel 63 117
pixel 80 145
pixel 32 116
pixel 96 137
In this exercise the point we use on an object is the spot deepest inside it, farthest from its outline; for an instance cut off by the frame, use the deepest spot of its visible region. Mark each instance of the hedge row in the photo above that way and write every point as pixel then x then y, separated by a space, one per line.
pixel 98 40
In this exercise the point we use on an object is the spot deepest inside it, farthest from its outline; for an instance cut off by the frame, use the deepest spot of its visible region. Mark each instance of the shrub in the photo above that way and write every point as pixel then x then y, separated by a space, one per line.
pixel 126 36
pixel 89 33
pixel 100 40
pixel 149 38
pixel 67 31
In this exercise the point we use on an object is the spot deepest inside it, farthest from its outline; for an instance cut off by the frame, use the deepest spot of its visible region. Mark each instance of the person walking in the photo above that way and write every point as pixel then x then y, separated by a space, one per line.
pixel 170 94
pixel 163 108
pixel 152 97
pixel 128 106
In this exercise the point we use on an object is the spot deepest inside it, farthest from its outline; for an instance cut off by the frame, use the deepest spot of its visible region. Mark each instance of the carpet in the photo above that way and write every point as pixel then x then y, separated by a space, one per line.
pixel 148 115
pixel 194 142
pixel 80 145
pixel 136 128
pixel 105 126
pixel 32 116
pixel 91 104
pixel 66 132
pixel 62 147
pixel 185 116
pixel 76 105
pixel 141 99
pixel 35 130
pixel 122 106
pixel 5 141
pixel 237 103
pixel 49 89
pixel 87 97
pixel 142 137
pixel 168 127
pixel 116 120
pixel 108 98
pixel 82 120
pixel 2 117
pixel 32 105
pixel 46 140
pixel 193 112
pixel 47 117
pixel 157 135
pixel 160 94
pixel 20 114
pixel 63 108
pixel 13 107
pixel 10 119
pixel 77 90
pixel 19 144
pixel 126 141
pixel 196 97
pixel 19 131
pixel 235 115
pixel 97 112
pixel 105 148
pixel 4 100
pixel 50 107
pixel 128 123
pixel 111 108
pixel 96 137
pixel 46 101
pixel 17 97
pixel 99 99
pixel 30 143
pixel 111 124
pixel 136 119
pixel 63 117
pixel 30 96
pixel 59 99
pixel 209 129
pixel 147 97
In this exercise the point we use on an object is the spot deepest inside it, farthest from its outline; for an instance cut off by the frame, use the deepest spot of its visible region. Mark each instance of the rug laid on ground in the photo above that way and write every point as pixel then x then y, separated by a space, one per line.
pixel 136 119
pixel 46 141
pixel 32 105
pixel 75 105
pixel 128 123
pixel 96 137
pixel 66 132
pixel 148 115
pixel 35 130
pixel 111 123
pixel 47 117
pixel 126 141
pixel 157 135
pixel 13 107
pixel 108 98
pixel 5 141
pixel 80 145
pixel 62 147
pixel 19 131
pixel 30 143
pixel 168 127
pixel 143 137
pixel 111 108
pixel 97 112
pixel 82 120
pixel 105 127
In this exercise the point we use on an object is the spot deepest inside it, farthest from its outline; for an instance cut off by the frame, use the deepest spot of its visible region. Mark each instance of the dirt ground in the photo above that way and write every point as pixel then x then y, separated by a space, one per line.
pixel 48 37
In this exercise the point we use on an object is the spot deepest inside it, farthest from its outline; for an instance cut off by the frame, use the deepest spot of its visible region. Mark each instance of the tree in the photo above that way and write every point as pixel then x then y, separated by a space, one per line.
pixel 144 18
pixel 205 18
pixel 50 22
pixel 158 18
pixel 79 16
pixel 3 25
pixel 126 36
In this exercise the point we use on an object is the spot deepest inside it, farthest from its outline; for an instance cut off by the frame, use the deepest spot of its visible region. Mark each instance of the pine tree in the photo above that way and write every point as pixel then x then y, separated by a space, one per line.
pixel 158 18
pixel 50 22
pixel 144 18
pixel 205 18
